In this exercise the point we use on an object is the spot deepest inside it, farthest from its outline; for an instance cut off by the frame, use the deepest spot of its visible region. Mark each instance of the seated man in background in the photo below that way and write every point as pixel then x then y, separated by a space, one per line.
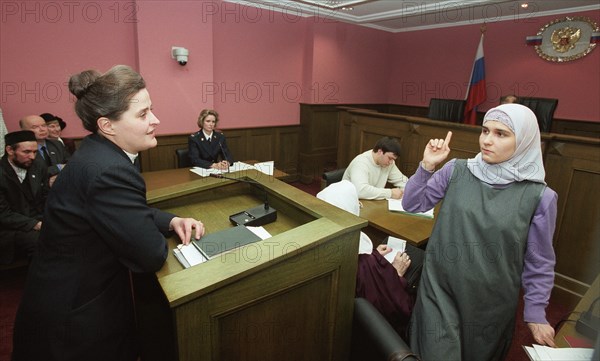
pixel 55 127
pixel 50 152
pixel 371 170
pixel 23 192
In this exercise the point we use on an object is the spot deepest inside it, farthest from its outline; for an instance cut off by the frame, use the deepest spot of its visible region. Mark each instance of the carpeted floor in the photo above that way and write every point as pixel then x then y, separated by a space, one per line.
pixel 12 282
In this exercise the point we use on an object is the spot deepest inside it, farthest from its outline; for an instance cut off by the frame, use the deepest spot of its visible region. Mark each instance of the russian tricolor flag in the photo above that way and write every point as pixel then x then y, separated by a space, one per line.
pixel 533 40
pixel 476 94
pixel 595 38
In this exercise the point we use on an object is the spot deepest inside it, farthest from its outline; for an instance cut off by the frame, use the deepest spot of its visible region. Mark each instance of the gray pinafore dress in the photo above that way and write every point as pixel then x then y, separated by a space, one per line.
pixel 469 290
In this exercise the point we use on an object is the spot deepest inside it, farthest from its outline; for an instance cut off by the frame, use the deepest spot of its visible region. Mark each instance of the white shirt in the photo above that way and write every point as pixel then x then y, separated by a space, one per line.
pixel 370 179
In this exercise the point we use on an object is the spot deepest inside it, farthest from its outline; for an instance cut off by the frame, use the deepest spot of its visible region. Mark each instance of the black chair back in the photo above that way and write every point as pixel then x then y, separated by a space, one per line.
pixel 544 110
pixel 450 110
pixel 182 158
pixel 333 176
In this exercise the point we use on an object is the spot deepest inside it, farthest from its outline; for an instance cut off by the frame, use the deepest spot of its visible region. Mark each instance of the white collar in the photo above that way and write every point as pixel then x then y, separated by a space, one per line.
pixel 207 136
pixel 132 157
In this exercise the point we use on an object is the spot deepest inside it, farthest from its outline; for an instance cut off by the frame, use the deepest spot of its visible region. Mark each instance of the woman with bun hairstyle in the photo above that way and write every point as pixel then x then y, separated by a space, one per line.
pixel 77 303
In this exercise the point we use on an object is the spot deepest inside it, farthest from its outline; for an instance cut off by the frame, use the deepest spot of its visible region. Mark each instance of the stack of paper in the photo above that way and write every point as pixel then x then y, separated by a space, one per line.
pixel 395 205
pixel 544 353
pixel 264 167
pixel 190 256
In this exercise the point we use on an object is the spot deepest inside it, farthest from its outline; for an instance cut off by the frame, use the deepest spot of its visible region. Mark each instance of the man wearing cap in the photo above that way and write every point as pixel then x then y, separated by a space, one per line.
pixel 23 191
pixel 50 152
pixel 55 126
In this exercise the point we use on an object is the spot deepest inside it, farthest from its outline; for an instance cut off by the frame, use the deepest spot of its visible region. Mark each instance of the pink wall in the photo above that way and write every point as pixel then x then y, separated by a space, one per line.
pixel 437 63
pixel 350 64
pixel 254 66
pixel 258 68
pixel 43 43
pixel 176 91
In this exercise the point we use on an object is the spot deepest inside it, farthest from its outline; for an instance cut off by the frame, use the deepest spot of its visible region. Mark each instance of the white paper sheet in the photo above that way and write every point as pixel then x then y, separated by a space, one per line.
pixel 397 245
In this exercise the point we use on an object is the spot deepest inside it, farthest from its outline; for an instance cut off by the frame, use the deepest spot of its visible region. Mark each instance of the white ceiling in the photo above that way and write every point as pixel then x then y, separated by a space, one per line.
pixel 411 15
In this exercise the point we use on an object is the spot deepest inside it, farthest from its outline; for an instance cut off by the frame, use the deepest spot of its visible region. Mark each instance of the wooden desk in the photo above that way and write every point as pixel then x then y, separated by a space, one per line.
pixel 568 328
pixel 414 229
pixel 289 297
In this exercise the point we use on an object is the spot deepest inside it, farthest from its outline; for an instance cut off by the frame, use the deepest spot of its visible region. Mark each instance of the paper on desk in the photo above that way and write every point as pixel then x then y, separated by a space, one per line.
pixel 203 172
pixel 395 205
pixel 264 167
pixel 544 353
pixel 239 166
pixel 260 231
pixel 191 254
pixel 397 245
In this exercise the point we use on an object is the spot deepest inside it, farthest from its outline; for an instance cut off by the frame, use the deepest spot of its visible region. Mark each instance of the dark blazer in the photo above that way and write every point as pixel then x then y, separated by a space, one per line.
pixel 204 153
pixel 70 145
pixel 77 303
pixel 58 155
pixel 20 208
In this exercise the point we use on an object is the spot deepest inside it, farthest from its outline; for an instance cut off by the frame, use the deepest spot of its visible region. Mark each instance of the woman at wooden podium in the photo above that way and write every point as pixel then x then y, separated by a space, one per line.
pixel 78 302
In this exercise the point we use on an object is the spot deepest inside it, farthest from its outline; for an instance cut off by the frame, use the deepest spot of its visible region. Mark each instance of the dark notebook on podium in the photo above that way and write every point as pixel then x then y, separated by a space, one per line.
pixel 214 243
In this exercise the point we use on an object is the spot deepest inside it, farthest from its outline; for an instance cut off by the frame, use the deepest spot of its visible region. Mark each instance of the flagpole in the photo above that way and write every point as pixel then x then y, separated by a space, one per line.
pixel 475 94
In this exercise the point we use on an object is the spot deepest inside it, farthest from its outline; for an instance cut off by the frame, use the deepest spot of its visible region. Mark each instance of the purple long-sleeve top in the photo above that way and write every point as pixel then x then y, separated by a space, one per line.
pixel 425 189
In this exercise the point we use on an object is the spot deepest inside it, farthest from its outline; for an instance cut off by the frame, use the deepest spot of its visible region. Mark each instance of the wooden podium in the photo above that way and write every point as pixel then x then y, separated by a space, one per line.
pixel 289 297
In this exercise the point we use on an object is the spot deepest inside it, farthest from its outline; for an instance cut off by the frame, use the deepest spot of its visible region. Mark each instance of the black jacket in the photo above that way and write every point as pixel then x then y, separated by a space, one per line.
pixel 20 208
pixel 204 153
pixel 77 303
pixel 58 155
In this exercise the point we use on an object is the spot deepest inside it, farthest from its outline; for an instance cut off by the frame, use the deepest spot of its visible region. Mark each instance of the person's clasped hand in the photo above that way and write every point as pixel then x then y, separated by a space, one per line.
pixel 186 228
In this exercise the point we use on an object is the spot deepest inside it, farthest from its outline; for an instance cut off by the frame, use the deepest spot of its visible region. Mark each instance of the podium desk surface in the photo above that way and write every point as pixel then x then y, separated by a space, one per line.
pixel 308 266
pixel 301 217
pixel 414 229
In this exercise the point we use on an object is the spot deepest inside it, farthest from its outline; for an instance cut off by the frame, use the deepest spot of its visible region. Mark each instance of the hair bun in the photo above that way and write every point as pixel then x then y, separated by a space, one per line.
pixel 80 83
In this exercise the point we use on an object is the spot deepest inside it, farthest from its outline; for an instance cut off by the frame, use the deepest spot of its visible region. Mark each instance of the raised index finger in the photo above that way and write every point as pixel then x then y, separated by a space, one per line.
pixel 448 137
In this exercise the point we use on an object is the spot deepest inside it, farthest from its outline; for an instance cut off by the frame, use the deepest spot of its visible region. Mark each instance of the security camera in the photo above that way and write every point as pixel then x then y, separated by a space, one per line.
pixel 180 54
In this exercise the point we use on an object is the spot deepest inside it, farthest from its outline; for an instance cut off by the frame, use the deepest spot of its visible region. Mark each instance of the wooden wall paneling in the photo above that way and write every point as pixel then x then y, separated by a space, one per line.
pixel 573 170
pixel 577 128
pixel 163 155
pixel 261 144
pixel 237 140
pixel 344 139
pixel 318 143
pixel 287 145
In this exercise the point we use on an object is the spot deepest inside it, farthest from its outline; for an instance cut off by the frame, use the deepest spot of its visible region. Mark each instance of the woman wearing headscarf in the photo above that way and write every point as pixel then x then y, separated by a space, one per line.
pixel 98 228
pixel 493 235
pixel 377 280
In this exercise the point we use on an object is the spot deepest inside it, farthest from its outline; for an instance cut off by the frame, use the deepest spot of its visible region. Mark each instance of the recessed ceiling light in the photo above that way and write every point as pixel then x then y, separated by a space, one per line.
pixel 524 5
pixel 347 8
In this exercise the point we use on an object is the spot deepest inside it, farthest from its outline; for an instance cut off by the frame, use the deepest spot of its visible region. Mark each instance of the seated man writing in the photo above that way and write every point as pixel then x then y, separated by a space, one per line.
pixel 371 170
